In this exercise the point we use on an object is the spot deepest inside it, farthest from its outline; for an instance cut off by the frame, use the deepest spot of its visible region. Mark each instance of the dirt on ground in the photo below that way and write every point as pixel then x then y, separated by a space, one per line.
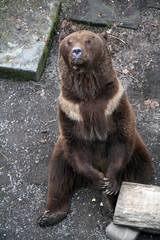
pixel 29 131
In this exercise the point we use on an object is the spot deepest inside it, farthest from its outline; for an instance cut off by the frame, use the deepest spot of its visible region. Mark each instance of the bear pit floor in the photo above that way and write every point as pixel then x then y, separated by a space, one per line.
pixel 29 130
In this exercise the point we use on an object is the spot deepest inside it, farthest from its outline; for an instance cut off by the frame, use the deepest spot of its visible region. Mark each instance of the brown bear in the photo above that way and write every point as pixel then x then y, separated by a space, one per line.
pixel 98 142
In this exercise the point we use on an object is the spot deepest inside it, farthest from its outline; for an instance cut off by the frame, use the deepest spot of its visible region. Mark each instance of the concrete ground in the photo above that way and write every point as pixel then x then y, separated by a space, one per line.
pixel 29 131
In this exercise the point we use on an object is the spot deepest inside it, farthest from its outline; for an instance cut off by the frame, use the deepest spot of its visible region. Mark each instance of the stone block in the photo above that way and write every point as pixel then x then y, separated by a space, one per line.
pixel 115 232
pixel 26 38
pixel 138 206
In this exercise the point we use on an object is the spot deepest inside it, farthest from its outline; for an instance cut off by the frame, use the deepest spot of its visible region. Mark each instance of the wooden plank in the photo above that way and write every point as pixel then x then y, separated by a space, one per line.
pixel 138 206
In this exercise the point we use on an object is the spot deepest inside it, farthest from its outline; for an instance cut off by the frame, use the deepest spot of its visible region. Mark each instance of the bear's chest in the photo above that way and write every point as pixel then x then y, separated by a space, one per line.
pixel 90 132
pixel 89 119
pixel 94 123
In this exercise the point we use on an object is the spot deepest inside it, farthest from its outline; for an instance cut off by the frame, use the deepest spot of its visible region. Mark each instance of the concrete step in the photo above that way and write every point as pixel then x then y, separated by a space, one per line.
pixel 26 35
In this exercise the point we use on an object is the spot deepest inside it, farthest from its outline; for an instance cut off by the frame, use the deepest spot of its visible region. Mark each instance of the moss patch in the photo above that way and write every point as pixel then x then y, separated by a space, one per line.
pixel 47 48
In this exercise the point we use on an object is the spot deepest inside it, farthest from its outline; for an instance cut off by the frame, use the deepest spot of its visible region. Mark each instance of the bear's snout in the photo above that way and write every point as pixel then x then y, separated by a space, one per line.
pixel 77 52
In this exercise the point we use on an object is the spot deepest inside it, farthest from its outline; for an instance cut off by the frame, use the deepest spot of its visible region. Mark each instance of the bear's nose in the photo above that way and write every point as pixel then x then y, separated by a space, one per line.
pixel 76 52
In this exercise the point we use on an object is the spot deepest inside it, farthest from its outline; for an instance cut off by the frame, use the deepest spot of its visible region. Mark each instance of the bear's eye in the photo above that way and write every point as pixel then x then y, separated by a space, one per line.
pixel 69 43
pixel 87 42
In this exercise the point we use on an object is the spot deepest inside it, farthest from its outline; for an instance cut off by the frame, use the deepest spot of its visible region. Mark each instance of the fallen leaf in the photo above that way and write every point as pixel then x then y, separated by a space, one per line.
pixel 154 25
pixel 126 71
pixel 64 23
pixel 73 27
pixel 151 104
pixel 99 15
pixel 149 63
pixel 154 104
pixel 42 140
pixel 13 17
pixel 63 9
pixel 147 102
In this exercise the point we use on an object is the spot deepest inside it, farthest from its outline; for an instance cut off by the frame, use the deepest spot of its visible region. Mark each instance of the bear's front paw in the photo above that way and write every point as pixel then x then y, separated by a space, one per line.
pixel 105 183
pixel 49 219
pixel 98 180
pixel 113 186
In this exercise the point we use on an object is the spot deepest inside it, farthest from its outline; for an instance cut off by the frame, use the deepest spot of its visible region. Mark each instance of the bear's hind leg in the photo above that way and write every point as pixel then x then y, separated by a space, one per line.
pixel 140 168
pixel 60 188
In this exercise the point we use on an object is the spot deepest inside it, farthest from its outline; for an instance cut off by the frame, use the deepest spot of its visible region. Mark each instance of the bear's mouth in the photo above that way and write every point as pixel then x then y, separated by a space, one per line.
pixel 75 67
pixel 77 63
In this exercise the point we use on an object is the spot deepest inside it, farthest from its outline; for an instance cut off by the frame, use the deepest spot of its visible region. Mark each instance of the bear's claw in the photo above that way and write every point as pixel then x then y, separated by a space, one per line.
pixel 110 192
pixel 106 183
pixel 50 219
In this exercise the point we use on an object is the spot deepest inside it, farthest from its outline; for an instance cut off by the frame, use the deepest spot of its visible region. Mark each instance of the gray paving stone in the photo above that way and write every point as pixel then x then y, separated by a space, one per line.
pixel 115 232
pixel 126 13
pixel 26 37
pixel 153 4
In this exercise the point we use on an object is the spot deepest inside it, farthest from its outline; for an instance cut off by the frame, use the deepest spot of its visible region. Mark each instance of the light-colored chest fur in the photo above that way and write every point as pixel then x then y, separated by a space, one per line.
pixel 92 132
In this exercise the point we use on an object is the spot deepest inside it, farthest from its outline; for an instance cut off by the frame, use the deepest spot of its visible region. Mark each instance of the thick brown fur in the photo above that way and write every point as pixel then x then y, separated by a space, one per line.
pixel 98 141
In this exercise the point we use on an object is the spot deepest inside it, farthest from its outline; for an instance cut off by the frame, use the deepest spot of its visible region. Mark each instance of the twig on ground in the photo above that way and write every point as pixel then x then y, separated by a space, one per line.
pixel 50 121
pixel 118 39
pixel 137 81
pixel 3 155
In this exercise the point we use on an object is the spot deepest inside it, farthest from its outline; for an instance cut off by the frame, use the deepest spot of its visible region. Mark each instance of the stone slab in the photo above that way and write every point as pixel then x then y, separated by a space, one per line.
pixel 138 206
pixel 26 32
pixel 126 13
pixel 153 4
pixel 115 232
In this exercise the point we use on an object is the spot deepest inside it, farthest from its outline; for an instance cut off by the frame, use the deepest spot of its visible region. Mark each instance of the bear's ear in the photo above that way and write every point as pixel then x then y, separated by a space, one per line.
pixel 62 36
pixel 104 35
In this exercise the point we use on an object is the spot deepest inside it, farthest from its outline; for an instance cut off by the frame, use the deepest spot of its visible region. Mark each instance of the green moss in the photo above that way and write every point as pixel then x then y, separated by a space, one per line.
pixel 17 75
pixel 49 40
pixel 109 24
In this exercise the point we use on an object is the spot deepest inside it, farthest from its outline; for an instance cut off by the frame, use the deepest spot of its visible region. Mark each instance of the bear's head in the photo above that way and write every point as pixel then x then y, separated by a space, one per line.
pixel 82 50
